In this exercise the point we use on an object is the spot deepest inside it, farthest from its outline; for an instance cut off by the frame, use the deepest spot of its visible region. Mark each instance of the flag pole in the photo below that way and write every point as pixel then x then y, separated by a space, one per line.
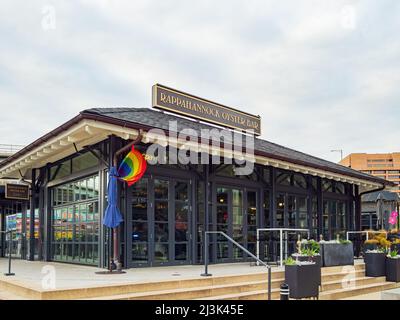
pixel 116 255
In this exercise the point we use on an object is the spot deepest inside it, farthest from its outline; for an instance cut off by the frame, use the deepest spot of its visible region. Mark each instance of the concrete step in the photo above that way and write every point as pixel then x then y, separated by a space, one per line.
pixel 236 286
pixel 197 292
pixel 339 269
pixel 350 282
pixel 253 295
pixel 340 276
pixel 13 287
pixel 6 295
pixel 356 291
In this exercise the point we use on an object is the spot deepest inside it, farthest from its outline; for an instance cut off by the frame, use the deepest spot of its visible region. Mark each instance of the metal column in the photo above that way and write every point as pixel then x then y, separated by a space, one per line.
pixel 31 256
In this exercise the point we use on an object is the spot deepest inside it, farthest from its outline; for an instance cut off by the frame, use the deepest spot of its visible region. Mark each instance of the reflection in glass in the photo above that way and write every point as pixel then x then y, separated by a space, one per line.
pixel 161 189
pixel 180 251
pixel 222 214
pixel 181 191
pixel 161 210
pixel 161 232
pixel 161 252
pixel 222 196
pixel 76 225
pixel 139 252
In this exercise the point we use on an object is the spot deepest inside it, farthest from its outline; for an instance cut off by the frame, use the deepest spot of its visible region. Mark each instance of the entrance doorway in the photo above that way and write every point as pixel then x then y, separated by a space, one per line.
pixel 291 212
pixel 236 214
pixel 160 223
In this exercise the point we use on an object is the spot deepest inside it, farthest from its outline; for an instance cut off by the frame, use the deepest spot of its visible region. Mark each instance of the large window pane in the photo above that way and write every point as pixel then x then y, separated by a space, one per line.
pixel 75 222
pixel 85 161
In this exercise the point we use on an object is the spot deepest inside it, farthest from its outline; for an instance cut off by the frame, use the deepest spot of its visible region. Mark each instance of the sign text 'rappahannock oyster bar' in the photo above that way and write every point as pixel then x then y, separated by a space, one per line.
pixel 166 208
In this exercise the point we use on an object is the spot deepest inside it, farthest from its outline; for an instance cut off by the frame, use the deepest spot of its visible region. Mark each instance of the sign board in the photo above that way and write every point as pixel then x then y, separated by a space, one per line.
pixel 17 191
pixel 11 222
pixel 172 100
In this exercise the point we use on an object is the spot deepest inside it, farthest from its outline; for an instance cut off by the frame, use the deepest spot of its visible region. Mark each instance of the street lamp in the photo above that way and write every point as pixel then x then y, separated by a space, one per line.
pixel 341 153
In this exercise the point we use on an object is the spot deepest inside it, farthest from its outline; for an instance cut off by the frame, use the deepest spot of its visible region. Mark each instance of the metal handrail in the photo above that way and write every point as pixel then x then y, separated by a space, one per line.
pixel 206 274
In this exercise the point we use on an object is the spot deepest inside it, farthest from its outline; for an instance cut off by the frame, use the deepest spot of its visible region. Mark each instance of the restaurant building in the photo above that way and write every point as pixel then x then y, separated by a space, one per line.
pixel 166 213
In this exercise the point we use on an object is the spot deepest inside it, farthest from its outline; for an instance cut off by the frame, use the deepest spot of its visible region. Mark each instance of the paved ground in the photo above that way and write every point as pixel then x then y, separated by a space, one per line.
pixel 34 274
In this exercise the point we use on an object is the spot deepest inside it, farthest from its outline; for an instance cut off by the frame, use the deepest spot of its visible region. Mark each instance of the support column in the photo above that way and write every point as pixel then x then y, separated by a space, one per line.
pixel 40 192
pixel 206 210
pixel 357 213
pixel 31 256
pixel 320 207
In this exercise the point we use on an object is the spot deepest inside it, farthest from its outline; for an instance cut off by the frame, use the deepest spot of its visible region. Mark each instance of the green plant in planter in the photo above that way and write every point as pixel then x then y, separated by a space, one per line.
pixel 393 254
pixel 381 249
pixel 289 262
pixel 309 252
pixel 314 246
pixel 341 241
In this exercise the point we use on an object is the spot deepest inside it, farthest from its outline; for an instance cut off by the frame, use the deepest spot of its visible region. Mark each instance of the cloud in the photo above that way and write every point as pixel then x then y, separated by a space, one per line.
pixel 322 75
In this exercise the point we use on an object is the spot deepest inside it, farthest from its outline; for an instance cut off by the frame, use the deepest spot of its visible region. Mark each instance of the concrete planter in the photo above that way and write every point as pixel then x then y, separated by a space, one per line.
pixel 392 269
pixel 375 264
pixel 316 259
pixel 302 280
pixel 337 254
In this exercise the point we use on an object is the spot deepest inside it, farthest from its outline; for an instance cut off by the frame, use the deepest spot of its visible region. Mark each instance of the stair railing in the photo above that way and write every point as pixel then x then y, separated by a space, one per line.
pixel 206 244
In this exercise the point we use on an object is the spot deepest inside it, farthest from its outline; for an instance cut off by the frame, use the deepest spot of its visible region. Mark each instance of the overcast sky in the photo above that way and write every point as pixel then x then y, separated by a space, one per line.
pixel 323 75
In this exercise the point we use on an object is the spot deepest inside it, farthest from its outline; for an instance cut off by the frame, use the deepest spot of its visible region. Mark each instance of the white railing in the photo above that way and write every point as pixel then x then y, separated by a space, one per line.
pixel 281 232
pixel 366 233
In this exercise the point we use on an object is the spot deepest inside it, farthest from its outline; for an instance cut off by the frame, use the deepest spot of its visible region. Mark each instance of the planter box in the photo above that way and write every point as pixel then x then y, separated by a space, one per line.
pixel 318 262
pixel 302 280
pixel 375 264
pixel 392 270
pixel 337 254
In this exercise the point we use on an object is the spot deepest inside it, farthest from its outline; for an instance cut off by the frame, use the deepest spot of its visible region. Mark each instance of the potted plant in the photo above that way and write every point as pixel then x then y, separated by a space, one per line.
pixel 337 253
pixel 302 278
pixel 393 266
pixel 309 254
pixel 375 262
pixel 395 245
pixel 370 244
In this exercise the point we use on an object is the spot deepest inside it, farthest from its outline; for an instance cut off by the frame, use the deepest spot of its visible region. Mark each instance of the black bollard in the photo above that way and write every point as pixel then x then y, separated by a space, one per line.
pixel 284 291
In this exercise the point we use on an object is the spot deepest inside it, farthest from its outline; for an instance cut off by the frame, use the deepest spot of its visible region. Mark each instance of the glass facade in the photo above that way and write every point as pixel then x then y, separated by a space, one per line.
pixel 140 222
pixel 76 222
pixel 165 213
pixel 334 219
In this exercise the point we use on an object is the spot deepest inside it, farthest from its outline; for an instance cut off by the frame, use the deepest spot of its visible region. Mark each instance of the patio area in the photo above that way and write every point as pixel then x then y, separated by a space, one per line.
pixel 34 274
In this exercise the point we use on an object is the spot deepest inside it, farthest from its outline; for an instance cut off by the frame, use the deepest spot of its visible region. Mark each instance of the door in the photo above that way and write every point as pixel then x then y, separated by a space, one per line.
pixel 292 213
pixel 160 228
pixel 236 215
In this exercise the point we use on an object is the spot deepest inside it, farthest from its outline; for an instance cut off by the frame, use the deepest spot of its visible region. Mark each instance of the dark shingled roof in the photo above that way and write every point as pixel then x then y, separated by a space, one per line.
pixel 383 195
pixel 150 118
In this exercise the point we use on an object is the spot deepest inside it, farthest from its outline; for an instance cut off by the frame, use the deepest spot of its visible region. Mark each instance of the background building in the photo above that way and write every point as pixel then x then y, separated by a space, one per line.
pixel 376 209
pixel 382 165
pixel 7 150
